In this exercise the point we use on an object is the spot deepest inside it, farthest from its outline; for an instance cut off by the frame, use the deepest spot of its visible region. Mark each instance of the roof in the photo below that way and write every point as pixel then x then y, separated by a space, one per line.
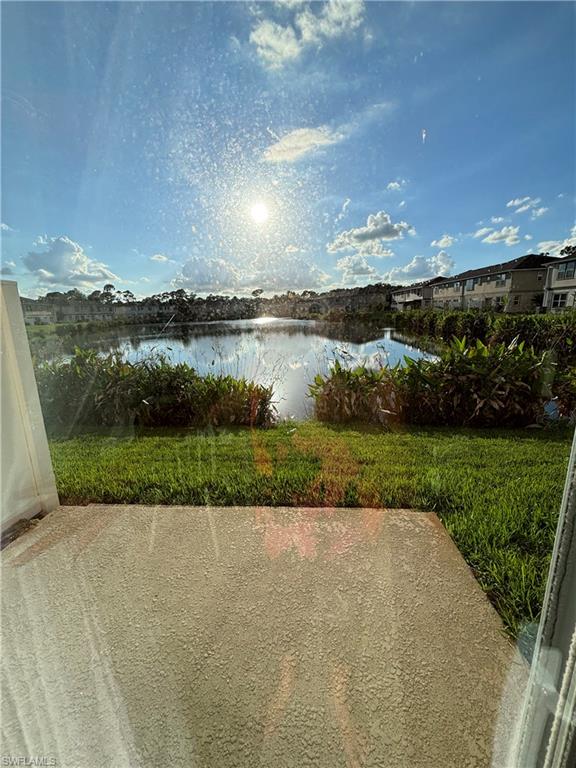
pixel 421 284
pixel 560 260
pixel 530 261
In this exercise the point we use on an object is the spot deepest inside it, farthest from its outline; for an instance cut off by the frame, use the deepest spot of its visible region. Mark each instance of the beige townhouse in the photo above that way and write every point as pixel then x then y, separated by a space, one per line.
pixel 511 286
pixel 560 288
pixel 415 296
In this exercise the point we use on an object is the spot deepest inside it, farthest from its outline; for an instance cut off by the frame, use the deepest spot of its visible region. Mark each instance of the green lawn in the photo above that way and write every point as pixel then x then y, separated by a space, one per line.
pixel 497 492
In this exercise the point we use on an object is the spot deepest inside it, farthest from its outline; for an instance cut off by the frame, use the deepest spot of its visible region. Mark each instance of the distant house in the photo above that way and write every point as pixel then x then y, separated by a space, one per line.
pixel 415 296
pixel 511 286
pixel 83 311
pixel 37 312
pixel 560 288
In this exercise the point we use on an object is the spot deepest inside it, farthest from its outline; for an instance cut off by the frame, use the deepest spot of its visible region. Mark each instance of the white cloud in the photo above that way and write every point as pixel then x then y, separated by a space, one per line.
pixel 506 235
pixel 537 212
pixel 522 204
pixel 303 141
pixel 527 237
pixel 553 247
pixel 289 3
pixel 482 232
pixel 527 206
pixel 355 266
pixel 343 211
pixel 367 240
pixel 396 186
pixel 159 257
pixel 517 201
pixel 337 18
pixel 421 268
pixel 402 204
pixel 277 44
pixel 497 219
pixel 207 274
pixel 63 262
pixel 443 242
pixel 5 228
pixel 295 273
pixel 300 142
pixel 215 275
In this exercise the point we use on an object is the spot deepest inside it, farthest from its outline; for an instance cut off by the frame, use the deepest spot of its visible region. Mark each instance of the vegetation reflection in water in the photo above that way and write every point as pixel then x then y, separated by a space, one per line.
pixel 285 354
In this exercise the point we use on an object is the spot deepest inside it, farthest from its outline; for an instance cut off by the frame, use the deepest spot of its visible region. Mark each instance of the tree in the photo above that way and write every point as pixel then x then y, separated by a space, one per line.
pixel 74 295
pixel 108 294
pixel 257 292
pixel 568 251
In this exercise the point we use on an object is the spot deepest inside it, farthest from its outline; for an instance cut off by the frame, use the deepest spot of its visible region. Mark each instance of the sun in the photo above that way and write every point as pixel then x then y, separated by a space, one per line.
pixel 259 213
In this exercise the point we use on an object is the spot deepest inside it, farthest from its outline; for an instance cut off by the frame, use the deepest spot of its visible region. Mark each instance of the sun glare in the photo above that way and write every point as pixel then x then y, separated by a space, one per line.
pixel 259 213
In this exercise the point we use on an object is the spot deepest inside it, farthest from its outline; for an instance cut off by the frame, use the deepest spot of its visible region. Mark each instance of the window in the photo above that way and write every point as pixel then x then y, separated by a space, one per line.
pixel 470 285
pixel 540 276
pixel 515 301
pixel 559 300
pixel 501 279
pixel 566 271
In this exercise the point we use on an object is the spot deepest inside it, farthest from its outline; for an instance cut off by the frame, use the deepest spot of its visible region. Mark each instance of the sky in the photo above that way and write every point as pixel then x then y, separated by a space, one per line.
pixel 226 147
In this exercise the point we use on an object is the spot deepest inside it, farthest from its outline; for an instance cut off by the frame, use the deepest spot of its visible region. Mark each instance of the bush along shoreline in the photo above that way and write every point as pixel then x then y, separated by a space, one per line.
pixel 98 390
pixel 546 333
pixel 473 385
pixel 470 384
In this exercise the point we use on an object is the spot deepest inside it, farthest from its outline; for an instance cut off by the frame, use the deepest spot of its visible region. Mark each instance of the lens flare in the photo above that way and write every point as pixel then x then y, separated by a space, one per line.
pixel 259 213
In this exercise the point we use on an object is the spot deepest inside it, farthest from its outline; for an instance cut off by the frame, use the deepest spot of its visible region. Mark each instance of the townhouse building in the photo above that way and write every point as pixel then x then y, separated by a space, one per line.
pixel 416 296
pixel 560 288
pixel 515 286
pixel 38 312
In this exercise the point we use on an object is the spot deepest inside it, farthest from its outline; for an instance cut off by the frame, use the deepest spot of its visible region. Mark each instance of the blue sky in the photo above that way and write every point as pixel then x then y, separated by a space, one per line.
pixel 223 147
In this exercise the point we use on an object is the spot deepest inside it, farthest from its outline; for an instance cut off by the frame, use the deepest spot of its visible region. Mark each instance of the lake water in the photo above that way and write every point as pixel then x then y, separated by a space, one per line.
pixel 284 353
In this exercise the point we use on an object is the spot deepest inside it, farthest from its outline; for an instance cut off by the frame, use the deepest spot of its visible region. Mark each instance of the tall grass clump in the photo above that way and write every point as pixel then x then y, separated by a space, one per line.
pixel 94 390
pixel 358 394
pixel 474 384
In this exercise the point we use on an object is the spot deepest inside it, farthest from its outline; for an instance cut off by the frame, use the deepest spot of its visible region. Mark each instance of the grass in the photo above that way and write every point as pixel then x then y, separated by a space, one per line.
pixel 497 492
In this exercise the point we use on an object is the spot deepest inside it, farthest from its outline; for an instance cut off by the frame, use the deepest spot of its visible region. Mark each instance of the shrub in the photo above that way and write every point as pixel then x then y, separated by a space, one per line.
pixel 475 385
pixel 546 333
pixel 361 394
pixel 470 385
pixel 555 333
pixel 107 390
pixel 565 390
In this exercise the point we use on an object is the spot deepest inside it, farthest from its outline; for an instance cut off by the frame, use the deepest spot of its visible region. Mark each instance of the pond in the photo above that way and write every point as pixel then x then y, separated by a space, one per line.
pixel 284 353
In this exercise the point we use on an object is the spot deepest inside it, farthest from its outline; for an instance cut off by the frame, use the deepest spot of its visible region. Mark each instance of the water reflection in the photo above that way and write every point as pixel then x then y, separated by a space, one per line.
pixel 284 353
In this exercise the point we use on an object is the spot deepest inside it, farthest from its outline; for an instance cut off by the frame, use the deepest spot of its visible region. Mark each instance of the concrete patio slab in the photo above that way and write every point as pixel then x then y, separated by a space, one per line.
pixel 180 636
